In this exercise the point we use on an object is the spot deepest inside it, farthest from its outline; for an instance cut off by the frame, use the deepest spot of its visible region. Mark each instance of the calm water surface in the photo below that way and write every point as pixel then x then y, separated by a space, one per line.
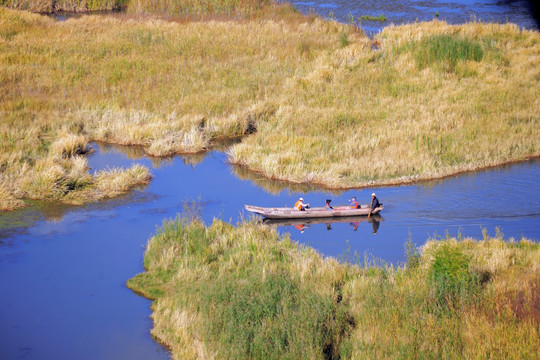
pixel 397 12
pixel 63 269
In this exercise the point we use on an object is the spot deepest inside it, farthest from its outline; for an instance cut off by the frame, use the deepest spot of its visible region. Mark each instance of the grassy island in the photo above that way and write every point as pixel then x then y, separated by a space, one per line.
pixel 314 101
pixel 225 292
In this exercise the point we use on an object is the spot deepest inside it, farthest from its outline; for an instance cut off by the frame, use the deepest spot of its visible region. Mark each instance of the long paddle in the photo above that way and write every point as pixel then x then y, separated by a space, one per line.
pixel 370 205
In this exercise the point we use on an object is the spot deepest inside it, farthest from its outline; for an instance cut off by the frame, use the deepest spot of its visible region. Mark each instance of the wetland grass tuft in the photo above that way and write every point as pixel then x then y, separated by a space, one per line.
pixel 241 292
pixel 243 8
pixel 380 18
pixel 447 49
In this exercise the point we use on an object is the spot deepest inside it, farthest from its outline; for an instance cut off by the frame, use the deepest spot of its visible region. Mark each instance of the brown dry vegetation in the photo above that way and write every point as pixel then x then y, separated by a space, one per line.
pixel 318 103
pixel 224 292
pixel 171 87
pixel 50 6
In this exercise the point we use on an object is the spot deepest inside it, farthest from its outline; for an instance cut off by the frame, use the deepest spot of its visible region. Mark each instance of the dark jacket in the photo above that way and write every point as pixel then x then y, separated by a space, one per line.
pixel 375 203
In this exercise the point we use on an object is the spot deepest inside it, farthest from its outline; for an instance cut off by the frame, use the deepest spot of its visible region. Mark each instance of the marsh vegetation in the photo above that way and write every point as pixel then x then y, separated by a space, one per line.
pixel 241 292
pixel 314 101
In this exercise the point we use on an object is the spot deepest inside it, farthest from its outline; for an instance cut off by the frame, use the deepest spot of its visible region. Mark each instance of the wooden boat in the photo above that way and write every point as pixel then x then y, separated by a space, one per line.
pixel 332 220
pixel 309 213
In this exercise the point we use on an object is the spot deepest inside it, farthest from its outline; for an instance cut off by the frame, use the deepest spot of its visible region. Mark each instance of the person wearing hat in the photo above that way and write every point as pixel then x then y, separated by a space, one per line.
pixel 354 203
pixel 374 203
pixel 299 205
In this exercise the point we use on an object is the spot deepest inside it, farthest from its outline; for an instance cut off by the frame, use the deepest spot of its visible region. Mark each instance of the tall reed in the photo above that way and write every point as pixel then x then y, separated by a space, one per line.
pixel 243 8
pixel 50 6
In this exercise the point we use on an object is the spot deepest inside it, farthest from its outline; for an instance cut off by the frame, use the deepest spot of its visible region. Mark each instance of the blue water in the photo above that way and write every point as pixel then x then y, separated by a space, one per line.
pixel 399 12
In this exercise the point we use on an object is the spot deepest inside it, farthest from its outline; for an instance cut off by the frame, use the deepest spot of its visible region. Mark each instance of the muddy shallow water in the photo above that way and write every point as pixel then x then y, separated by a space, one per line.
pixel 63 268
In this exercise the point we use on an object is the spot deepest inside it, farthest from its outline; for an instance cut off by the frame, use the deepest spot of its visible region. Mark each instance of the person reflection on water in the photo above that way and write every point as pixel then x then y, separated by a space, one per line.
pixel 375 223
pixel 300 227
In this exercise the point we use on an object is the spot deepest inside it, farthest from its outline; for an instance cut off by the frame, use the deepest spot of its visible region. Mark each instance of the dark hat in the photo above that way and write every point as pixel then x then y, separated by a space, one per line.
pixel 328 200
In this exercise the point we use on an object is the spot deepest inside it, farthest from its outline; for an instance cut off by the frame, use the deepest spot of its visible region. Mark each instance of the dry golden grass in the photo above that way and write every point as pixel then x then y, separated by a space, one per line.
pixel 170 87
pixel 50 6
pixel 320 106
pixel 241 8
pixel 361 116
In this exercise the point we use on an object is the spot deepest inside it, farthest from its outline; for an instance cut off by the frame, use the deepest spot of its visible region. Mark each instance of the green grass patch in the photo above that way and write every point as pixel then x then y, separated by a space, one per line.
pixel 446 50
pixel 380 18
pixel 248 312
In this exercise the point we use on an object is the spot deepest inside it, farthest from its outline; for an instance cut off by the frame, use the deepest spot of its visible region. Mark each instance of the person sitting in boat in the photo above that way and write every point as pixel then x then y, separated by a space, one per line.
pixel 374 202
pixel 354 203
pixel 299 205
pixel 328 206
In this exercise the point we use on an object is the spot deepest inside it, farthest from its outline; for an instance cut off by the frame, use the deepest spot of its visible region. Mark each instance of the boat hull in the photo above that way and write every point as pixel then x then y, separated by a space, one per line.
pixel 332 220
pixel 311 213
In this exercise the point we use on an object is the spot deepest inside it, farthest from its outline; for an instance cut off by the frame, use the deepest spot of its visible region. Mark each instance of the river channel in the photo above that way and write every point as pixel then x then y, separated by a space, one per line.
pixel 63 269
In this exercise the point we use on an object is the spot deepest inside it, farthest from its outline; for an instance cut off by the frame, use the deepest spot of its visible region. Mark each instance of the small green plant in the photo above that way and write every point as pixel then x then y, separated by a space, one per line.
pixel 412 253
pixel 343 39
pixel 380 18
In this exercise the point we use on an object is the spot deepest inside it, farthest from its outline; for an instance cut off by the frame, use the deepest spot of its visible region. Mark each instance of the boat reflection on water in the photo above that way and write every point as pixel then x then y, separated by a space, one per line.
pixel 303 224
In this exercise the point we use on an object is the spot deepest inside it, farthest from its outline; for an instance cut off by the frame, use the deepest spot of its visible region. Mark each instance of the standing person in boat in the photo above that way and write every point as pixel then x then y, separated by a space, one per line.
pixel 354 203
pixel 299 205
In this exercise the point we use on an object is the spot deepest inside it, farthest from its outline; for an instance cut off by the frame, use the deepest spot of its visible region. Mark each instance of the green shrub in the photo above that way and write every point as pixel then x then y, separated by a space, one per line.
pixel 451 278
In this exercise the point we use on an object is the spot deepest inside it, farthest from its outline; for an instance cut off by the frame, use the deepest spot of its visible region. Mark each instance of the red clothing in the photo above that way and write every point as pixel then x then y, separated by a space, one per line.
pixel 354 204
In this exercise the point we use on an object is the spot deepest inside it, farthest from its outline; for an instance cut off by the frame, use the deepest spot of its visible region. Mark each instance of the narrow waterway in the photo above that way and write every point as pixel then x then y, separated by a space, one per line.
pixel 63 269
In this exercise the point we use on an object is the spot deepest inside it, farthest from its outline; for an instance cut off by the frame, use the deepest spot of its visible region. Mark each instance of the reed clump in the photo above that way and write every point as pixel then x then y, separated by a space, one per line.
pixel 241 292
pixel 242 8
pixel 51 6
